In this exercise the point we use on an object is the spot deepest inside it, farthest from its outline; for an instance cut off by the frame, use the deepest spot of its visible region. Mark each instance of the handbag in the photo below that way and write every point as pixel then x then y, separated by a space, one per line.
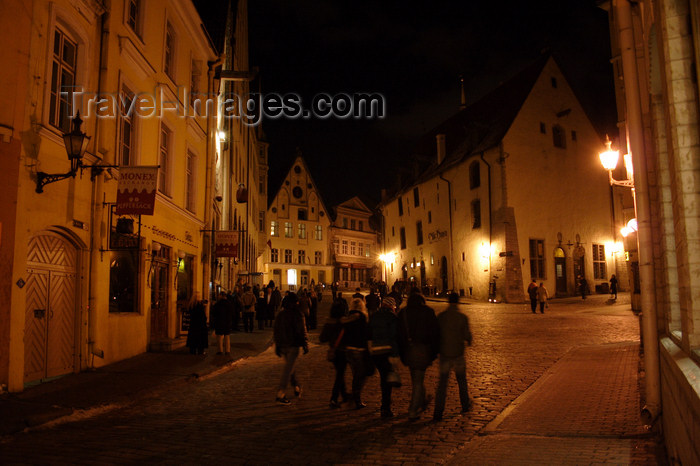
pixel 393 378
pixel 331 351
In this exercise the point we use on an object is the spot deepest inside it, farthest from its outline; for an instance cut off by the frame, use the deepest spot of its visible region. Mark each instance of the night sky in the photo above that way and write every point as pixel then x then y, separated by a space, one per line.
pixel 413 53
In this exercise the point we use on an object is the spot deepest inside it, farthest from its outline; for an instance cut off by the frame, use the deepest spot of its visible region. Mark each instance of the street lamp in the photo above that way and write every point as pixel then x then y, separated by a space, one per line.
pixel 76 143
pixel 609 158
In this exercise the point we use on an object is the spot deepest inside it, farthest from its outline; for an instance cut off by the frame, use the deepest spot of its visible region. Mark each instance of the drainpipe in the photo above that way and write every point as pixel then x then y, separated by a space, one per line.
pixel 211 132
pixel 635 138
pixel 94 245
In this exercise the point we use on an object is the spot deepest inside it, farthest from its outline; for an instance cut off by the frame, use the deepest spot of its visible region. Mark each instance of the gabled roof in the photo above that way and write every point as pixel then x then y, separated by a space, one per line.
pixel 214 14
pixel 299 159
pixel 476 128
pixel 355 203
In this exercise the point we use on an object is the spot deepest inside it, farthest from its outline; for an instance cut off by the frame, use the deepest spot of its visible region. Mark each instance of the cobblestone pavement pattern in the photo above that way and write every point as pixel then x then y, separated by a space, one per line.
pixel 533 380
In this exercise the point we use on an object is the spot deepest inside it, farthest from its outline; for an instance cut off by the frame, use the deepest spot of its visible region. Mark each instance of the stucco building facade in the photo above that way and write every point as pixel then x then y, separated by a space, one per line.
pixel 498 206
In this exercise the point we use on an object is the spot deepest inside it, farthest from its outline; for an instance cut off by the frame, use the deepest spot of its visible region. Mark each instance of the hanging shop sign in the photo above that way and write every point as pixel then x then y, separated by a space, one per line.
pixel 136 192
pixel 226 243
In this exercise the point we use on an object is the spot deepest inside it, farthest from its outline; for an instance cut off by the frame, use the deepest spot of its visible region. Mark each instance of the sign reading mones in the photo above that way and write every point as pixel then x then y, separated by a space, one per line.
pixel 136 192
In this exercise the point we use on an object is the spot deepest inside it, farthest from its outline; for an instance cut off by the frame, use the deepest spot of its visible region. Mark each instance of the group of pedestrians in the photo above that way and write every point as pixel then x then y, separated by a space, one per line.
pixel 374 341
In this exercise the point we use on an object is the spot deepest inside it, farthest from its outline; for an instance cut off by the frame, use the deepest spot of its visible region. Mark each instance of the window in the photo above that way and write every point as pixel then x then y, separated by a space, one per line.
pixel 301 256
pixel 304 278
pixel 336 246
pixel 416 197
pixel 430 217
pixel 345 222
pixel 288 230
pixel 127 129
pixel 537 269
pixel 476 214
pixel 169 46
pixel 274 255
pixel 65 52
pixel 133 15
pixel 301 214
pixel 474 175
pixel 302 231
pixel 543 128
pixel 195 74
pixel 368 250
pixel 287 256
pixel 352 224
pixel 573 135
pixel 432 259
pixel 402 234
pixel 123 283
pixel 318 258
pixel 360 226
pixel 393 233
pixel 318 233
pixel 554 83
pixel 400 206
pixel 599 272
pixel 274 228
pixel 558 137
pixel 344 247
pixel 261 184
pixel 189 182
pixel 360 249
pixel 261 221
pixel 419 233
pixel 164 159
pixel 353 248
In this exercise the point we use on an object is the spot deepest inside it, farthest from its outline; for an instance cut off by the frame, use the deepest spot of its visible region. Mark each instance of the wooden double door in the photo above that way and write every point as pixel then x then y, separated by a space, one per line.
pixel 50 308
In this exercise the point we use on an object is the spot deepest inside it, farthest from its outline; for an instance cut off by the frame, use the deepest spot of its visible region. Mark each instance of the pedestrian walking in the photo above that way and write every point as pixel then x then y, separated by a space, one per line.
pixel 532 292
pixel 334 290
pixel 384 344
pixel 274 304
pixel 582 286
pixel 304 305
pixel 355 342
pixel 235 300
pixel 542 296
pixel 372 301
pixel 313 309
pixel 396 295
pixel 358 294
pixel 454 331
pixel 613 286
pixel 290 335
pixel 260 310
pixel 222 321
pixel 332 333
pixel 198 334
pixel 418 347
pixel 248 300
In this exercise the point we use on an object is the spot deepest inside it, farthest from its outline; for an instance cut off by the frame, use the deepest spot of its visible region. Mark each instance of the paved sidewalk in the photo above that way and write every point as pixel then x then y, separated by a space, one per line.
pixel 121 383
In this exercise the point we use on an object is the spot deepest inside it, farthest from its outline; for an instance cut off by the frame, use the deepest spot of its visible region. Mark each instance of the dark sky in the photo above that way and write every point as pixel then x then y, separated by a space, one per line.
pixel 413 53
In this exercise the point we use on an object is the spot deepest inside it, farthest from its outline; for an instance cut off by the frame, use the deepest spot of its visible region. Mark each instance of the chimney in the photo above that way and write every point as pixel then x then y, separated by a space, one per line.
pixel 463 94
pixel 440 148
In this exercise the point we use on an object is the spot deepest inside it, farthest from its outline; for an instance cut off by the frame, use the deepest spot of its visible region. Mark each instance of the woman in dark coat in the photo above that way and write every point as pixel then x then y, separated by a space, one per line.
pixel 198 334
pixel 355 341
pixel 329 334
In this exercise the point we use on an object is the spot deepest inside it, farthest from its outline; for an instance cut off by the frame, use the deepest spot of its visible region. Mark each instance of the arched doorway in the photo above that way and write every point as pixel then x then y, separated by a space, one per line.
pixel 560 271
pixel 50 307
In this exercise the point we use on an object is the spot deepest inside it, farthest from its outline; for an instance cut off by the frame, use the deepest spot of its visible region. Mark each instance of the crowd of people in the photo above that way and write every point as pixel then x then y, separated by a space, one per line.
pixel 372 334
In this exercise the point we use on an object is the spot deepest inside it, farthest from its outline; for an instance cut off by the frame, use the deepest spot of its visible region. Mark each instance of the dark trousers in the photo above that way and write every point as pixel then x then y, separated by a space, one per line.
pixel 542 303
pixel 340 363
pixel 357 367
pixel 533 304
pixel 248 321
pixel 384 367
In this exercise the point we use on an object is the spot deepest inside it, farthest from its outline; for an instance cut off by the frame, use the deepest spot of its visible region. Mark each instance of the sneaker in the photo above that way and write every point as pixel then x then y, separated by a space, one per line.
pixel 283 400
pixel 334 404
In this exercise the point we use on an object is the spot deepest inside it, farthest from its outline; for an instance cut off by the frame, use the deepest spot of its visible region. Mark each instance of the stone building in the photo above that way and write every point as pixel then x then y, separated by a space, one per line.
pixel 298 223
pixel 354 245
pixel 82 285
pixel 498 205
pixel 656 57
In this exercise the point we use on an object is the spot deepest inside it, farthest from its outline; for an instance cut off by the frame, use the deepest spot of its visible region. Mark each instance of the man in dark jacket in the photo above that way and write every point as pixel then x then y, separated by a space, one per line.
pixel 290 335
pixel 383 334
pixel 418 345
pixel 532 293
pixel 454 331
pixel 222 322
pixel 396 295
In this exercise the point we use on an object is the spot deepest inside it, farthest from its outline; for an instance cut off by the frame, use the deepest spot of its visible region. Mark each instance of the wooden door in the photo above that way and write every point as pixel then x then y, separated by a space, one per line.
pixel 50 308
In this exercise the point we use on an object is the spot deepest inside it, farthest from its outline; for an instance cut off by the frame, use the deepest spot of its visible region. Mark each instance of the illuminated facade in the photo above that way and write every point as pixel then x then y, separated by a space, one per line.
pixel 503 201
pixel 80 286
pixel 298 223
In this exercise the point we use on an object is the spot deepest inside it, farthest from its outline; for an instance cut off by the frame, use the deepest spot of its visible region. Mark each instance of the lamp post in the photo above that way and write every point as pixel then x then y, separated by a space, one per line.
pixel 609 159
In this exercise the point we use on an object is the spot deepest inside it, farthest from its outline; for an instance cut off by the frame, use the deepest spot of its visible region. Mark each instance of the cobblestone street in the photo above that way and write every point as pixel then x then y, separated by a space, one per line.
pixel 232 417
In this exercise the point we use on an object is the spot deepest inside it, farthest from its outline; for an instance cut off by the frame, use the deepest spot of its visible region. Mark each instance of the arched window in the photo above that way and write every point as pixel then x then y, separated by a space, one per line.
pixel 474 175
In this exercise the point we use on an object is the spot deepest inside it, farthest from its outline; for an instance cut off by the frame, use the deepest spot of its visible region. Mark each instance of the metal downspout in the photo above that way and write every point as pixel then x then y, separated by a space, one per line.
pixel 635 137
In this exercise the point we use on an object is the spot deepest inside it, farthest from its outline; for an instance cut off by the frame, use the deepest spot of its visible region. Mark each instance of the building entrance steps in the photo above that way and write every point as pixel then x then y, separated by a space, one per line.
pixel 583 410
